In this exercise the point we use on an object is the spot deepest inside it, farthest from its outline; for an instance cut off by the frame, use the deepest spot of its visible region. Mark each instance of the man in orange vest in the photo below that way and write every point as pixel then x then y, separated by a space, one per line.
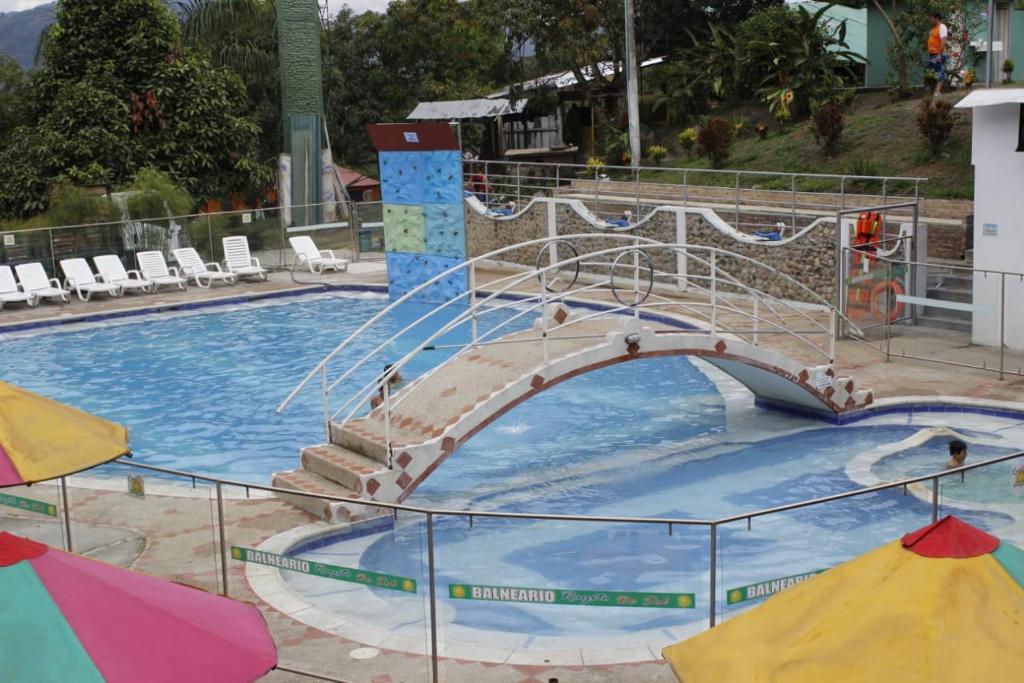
pixel 937 50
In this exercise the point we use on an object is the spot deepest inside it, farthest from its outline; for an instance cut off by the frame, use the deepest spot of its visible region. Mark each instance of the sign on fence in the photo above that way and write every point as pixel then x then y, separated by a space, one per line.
pixel 136 486
pixel 28 504
pixel 560 596
pixel 765 588
pixel 326 571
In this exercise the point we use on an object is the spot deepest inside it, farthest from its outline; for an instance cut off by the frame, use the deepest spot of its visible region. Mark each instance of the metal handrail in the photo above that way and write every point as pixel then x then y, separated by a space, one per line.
pixel 429 517
pixel 490 256
pixel 611 519
pixel 719 171
pixel 542 300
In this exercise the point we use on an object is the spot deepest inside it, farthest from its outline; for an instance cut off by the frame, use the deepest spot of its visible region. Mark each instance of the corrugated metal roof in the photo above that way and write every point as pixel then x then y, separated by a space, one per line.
pixel 465 109
pixel 989 98
pixel 567 79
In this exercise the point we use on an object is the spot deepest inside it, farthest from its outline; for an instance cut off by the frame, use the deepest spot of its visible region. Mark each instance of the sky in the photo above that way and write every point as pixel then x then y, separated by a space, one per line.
pixel 335 5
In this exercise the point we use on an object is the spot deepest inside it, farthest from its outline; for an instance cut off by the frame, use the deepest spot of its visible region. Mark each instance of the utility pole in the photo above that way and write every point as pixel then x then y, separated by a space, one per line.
pixel 990 55
pixel 632 88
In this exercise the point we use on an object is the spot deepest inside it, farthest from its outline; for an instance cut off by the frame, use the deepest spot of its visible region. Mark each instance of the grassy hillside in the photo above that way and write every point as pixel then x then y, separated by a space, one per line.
pixel 880 138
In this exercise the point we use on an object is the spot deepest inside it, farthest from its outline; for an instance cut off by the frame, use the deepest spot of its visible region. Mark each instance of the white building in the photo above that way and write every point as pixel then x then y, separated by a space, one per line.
pixel 998 157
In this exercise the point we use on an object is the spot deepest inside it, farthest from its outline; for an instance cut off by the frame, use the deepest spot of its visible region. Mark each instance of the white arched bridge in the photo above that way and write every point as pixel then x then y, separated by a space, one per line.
pixel 580 309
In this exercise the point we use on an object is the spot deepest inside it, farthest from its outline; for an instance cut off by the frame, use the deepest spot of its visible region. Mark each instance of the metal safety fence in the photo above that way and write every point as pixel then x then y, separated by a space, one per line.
pixel 354 232
pixel 405 577
pixel 752 200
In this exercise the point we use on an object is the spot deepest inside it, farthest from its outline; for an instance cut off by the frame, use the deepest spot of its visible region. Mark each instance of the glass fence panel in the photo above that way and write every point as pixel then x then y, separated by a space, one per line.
pixel 560 594
pixel 340 600
pixel 781 550
pixel 988 496
pixel 162 525
pixel 35 512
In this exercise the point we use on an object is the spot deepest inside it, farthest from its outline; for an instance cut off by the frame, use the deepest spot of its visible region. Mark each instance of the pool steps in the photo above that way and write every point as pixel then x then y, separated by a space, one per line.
pixel 311 482
pixel 342 465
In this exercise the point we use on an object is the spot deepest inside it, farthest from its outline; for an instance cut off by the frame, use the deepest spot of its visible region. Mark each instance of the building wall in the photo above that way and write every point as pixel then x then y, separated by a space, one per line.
pixel 998 222
pixel 879 38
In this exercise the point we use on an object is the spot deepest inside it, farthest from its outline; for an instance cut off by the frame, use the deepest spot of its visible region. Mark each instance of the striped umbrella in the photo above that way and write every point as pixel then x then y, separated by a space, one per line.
pixel 70 618
pixel 945 603
pixel 42 439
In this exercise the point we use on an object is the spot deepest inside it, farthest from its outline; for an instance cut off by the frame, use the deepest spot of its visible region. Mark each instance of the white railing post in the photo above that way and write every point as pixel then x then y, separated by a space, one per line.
pixel 544 312
pixel 757 317
pixel 832 336
pixel 472 300
pixel 714 292
pixel 636 279
pixel 387 417
pixel 326 401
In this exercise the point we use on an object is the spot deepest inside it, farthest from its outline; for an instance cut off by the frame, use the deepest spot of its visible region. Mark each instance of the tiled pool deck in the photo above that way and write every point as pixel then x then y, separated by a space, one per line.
pixel 173 531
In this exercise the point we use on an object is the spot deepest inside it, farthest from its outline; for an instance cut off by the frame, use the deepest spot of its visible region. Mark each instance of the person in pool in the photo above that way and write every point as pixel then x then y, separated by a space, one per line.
pixel 957 454
pixel 393 383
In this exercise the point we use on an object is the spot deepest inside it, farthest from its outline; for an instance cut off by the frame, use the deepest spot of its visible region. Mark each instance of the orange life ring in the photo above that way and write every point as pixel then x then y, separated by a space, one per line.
pixel 879 294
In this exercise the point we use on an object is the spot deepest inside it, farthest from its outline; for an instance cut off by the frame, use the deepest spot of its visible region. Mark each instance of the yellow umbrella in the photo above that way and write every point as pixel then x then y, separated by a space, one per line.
pixel 41 439
pixel 944 604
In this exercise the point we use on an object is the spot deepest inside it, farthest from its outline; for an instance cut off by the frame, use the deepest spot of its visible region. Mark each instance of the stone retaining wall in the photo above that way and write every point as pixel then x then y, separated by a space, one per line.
pixel 810 258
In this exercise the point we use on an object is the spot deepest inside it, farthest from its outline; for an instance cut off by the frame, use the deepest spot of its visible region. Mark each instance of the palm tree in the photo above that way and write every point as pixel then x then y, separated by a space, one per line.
pixel 238 34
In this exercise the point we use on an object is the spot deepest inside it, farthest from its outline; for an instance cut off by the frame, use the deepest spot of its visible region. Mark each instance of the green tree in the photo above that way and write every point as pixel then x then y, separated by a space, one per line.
pixel 120 91
pixel 13 91
pixel 378 66
pixel 241 35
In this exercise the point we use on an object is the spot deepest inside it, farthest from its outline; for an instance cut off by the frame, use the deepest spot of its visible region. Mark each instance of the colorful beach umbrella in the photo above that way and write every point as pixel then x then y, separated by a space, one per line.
pixel 945 603
pixel 68 618
pixel 42 439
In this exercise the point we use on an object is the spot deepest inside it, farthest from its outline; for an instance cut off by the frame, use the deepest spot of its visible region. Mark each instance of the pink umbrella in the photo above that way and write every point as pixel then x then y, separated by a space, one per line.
pixel 69 618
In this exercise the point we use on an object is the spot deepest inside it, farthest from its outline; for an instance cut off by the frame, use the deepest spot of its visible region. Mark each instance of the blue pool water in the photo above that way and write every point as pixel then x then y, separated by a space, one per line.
pixel 197 391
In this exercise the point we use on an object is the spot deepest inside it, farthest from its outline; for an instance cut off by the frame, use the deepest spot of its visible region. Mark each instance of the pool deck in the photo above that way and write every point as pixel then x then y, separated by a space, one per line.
pixel 172 532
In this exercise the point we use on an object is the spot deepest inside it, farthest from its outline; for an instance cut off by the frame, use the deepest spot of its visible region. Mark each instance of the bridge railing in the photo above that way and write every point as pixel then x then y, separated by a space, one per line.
pixel 695 284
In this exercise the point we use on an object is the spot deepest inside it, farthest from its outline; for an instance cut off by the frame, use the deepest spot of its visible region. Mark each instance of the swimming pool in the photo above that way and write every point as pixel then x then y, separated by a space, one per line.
pixel 658 437
pixel 703 468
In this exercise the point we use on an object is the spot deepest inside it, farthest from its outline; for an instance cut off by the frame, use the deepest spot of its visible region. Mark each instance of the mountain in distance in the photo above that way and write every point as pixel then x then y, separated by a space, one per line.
pixel 20 31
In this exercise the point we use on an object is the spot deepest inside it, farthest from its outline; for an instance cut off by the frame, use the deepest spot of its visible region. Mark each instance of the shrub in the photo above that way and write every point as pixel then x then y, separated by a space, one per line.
pixel 595 164
pixel 155 195
pixel 739 128
pixel 935 121
pixel 761 129
pixel 657 153
pixel 827 122
pixel 1008 67
pixel 70 205
pixel 687 139
pixel 714 141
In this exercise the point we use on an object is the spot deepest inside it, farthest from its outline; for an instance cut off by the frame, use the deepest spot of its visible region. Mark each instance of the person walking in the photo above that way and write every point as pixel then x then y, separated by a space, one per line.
pixel 937 51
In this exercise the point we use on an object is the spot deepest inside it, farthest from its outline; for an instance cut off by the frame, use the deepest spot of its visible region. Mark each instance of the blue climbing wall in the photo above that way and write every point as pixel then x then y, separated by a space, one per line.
pixel 424 219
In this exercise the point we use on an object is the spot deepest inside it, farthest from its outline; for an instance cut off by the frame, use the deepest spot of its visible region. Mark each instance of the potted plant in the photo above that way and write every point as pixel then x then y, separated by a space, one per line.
pixel 1008 67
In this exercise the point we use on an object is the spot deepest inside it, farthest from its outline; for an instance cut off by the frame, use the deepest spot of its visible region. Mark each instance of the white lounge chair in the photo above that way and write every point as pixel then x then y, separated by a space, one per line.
pixel 10 291
pixel 315 259
pixel 194 267
pixel 238 260
pixel 78 276
pixel 34 281
pixel 111 271
pixel 154 269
